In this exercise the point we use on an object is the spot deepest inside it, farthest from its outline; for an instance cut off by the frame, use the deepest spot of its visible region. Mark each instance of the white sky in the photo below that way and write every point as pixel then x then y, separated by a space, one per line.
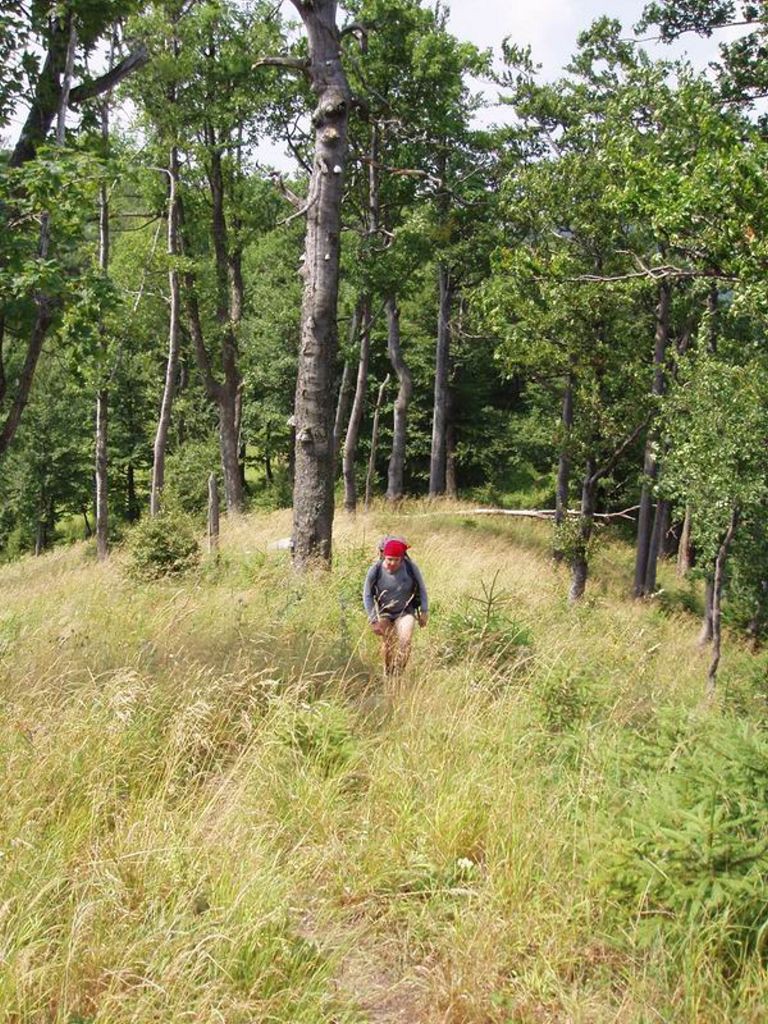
pixel 549 26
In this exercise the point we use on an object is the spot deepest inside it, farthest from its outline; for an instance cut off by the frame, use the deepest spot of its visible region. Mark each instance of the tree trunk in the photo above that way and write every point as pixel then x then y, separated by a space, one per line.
pixel 645 572
pixel 685 550
pixel 563 465
pixel 313 408
pixel 229 309
pixel 346 389
pixel 395 487
pixel 706 632
pixel 132 501
pixel 102 394
pixel 451 478
pixel 717 593
pixel 213 515
pixel 579 558
pixel 343 404
pixel 164 420
pixel 374 444
pixel 358 406
pixel 655 547
pixel 51 100
pixel 437 462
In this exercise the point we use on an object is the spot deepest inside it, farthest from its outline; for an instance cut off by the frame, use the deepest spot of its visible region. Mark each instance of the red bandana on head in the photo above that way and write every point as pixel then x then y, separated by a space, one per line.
pixel 395 549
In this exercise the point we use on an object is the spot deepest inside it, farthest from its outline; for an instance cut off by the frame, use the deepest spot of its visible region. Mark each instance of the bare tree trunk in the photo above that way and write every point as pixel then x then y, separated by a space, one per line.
pixel 346 388
pixel 659 532
pixel 717 593
pixel 707 630
pixel 451 478
pixel 229 315
pixel 685 551
pixel 374 444
pixel 437 467
pixel 213 515
pixel 564 464
pixel 395 487
pixel 358 405
pixel 343 403
pixel 102 393
pixel 171 369
pixel 132 502
pixel 645 572
pixel 313 407
pixel 579 558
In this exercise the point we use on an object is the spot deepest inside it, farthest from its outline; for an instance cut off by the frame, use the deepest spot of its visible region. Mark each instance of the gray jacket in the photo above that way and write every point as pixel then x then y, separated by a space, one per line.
pixel 392 594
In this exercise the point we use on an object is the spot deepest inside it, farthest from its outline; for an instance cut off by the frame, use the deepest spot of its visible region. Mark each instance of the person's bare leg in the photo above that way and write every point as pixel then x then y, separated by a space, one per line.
pixel 404 632
pixel 388 646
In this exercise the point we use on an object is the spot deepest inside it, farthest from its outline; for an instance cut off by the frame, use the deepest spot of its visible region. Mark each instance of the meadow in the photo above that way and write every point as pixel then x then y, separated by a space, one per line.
pixel 214 809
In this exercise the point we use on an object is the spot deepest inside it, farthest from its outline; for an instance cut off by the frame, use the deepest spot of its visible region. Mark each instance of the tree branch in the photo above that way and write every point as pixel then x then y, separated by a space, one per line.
pixel 286 63
pixel 630 439
pixel 107 81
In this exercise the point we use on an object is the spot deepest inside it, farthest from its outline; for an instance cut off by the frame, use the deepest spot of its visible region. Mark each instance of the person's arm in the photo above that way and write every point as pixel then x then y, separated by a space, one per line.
pixel 369 602
pixel 423 598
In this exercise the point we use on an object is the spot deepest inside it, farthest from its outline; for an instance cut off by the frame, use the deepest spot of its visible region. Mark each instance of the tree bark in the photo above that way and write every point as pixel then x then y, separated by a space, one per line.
pixel 646 555
pixel 213 515
pixel 358 406
pixel 374 444
pixel 174 327
pixel 717 593
pixel 564 464
pixel 395 487
pixel 656 546
pixel 579 558
pixel 437 462
pixel 705 635
pixel 228 313
pixel 102 392
pixel 685 550
pixel 313 407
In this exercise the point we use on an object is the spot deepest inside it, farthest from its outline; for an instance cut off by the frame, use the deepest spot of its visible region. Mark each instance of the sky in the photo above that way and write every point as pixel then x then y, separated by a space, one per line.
pixel 549 26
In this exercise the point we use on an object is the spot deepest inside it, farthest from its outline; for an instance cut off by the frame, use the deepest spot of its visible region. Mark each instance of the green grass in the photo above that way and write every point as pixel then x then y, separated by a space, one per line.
pixel 215 810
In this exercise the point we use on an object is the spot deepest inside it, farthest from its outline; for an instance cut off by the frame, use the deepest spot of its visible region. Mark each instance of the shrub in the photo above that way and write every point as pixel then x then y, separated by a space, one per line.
pixel 162 545
pixel 691 853
pixel 480 627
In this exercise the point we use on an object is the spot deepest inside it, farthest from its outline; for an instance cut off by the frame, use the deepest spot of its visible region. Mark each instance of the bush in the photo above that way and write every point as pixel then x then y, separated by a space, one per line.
pixel 692 852
pixel 162 545
pixel 480 628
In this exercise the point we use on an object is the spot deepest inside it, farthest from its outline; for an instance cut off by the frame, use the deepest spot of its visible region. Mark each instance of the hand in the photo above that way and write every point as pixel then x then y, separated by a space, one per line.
pixel 378 627
pixel 423 619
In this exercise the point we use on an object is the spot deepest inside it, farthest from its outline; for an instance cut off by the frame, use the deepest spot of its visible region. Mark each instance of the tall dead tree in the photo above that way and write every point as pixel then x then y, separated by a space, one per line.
pixel 313 406
pixel 395 484
pixel 650 520
pixel 174 332
pixel 102 390
pixel 358 407
pixel 438 456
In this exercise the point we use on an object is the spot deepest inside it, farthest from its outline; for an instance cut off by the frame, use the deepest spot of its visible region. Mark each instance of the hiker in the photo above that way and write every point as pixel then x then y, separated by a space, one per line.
pixel 395 598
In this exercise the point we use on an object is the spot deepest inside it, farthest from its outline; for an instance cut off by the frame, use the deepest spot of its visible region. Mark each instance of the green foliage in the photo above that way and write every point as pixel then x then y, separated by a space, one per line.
pixel 689 853
pixel 480 627
pixel 162 545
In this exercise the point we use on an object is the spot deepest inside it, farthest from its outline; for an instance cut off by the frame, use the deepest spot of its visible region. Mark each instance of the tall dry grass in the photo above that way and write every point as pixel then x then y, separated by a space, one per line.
pixel 216 810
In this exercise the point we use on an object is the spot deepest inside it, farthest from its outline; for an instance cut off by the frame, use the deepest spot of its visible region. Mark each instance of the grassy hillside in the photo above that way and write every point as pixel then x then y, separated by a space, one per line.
pixel 214 809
